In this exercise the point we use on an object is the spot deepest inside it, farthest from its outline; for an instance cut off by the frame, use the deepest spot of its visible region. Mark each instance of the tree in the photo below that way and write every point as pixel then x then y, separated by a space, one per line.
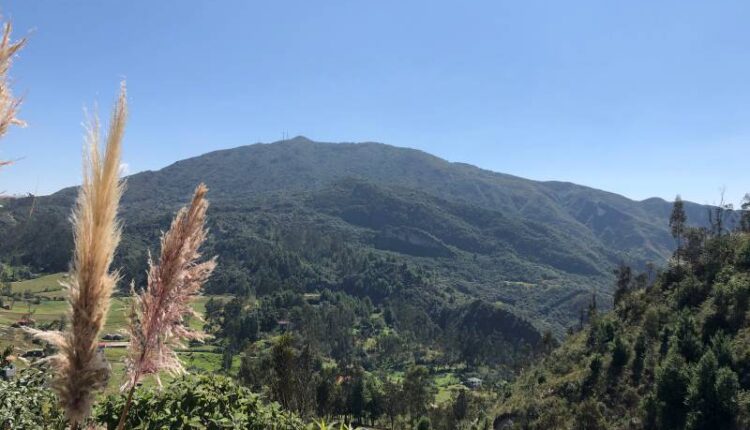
pixel 620 354
pixel 418 391
pixel 595 369
pixel 677 223
pixel 695 239
pixel 357 402
pixel 461 405
pixel 6 289
pixel 394 404
pixel 639 355
pixel 593 309
pixel 712 395
pixel 686 338
pixel 375 400
pixel 672 382
pixel 624 276
pixel 717 214
pixel 589 416
pixel 283 369
pixel 745 215
pixel 424 424
pixel 548 342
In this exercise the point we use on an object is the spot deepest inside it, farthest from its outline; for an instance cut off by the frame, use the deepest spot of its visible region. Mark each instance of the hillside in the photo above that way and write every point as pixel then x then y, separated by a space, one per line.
pixel 536 247
pixel 673 355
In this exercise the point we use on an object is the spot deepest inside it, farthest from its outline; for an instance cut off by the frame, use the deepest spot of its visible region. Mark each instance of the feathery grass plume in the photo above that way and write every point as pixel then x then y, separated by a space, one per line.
pixel 8 103
pixel 157 318
pixel 80 370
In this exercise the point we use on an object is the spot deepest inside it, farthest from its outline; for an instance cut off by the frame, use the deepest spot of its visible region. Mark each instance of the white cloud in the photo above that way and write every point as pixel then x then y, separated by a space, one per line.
pixel 124 169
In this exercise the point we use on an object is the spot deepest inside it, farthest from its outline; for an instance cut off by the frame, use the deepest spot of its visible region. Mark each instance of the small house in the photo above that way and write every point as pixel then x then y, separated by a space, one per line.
pixel 474 383
pixel 284 325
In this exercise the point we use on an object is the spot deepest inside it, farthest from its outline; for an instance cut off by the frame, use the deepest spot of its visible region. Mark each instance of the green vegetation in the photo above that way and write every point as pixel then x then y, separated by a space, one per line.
pixel 357 285
pixel 673 354
pixel 25 403
pixel 287 215
pixel 205 401
pixel 43 299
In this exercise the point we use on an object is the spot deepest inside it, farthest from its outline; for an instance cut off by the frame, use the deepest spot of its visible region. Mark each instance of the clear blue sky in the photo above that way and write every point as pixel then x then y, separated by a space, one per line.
pixel 642 98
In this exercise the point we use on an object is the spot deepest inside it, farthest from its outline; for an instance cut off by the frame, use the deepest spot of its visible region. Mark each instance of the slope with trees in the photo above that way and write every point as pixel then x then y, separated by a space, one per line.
pixel 673 353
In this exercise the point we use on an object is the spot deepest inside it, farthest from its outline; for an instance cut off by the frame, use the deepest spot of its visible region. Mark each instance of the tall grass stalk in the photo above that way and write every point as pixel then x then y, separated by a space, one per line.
pixel 8 103
pixel 157 319
pixel 80 369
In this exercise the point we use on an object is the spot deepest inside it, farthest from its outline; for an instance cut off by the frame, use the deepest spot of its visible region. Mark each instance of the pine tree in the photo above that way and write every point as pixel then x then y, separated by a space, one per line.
pixel 672 382
pixel 624 278
pixel 712 395
pixel 677 223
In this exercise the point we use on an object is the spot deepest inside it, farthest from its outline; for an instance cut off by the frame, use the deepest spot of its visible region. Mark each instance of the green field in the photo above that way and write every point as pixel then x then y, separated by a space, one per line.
pixel 46 283
pixel 51 306
pixel 447 385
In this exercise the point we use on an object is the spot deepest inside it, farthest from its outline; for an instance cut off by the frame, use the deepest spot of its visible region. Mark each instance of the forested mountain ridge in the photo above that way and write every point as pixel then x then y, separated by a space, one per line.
pixel 536 247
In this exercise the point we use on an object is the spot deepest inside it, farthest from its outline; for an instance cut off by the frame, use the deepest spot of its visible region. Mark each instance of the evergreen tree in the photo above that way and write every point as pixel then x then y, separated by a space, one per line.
pixel 686 338
pixel 624 276
pixel 418 391
pixel 712 395
pixel 357 402
pixel 639 355
pixel 702 392
pixel 672 382
pixel 461 405
pixel 677 222
pixel 620 353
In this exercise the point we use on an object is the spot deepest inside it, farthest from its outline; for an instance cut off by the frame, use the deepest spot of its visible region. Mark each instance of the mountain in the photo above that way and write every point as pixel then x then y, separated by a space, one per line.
pixel 284 214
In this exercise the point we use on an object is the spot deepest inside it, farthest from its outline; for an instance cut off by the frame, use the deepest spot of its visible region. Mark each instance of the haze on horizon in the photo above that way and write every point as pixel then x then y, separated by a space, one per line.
pixel 640 99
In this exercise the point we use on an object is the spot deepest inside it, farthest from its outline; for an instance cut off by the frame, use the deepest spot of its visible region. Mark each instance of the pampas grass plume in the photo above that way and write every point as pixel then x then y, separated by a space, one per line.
pixel 157 319
pixel 80 370
pixel 8 103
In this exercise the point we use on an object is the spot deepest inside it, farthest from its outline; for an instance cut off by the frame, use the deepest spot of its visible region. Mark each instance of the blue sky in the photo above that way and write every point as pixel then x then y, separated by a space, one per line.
pixel 641 98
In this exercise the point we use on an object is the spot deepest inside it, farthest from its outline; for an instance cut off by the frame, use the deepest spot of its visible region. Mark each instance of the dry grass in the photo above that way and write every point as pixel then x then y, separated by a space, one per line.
pixel 80 370
pixel 157 323
pixel 8 103
pixel 157 320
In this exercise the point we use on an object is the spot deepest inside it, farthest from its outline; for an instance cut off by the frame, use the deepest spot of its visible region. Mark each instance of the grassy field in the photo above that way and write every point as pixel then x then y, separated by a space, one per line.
pixel 447 385
pixel 51 306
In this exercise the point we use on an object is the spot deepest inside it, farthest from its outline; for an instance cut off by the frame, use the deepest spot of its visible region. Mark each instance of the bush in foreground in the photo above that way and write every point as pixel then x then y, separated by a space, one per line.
pixel 26 403
pixel 199 402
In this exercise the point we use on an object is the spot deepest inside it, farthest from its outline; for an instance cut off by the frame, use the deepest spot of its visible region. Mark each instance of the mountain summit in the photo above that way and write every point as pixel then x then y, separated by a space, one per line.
pixel 536 247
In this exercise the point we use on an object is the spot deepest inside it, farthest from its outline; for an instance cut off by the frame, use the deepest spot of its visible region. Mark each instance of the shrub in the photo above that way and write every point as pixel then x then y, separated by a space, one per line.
pixel 424 424
pixel 26 403
pixel 620 353
pixel 205 401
